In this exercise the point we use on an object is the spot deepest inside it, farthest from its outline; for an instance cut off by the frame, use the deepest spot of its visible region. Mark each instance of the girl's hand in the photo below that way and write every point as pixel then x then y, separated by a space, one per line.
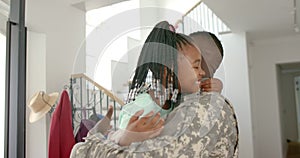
pixel 212 85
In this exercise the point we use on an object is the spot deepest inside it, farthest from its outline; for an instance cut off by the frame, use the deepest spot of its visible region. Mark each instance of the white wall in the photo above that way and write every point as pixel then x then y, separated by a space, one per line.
pixel 36 81
pixel 236 87
pixel 52 57
pixel 134 49
pixel 64 27
pixel 264 55
pixel 120 77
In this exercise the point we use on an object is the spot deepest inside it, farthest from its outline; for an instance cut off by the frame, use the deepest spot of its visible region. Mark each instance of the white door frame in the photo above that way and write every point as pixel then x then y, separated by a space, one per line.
pixel 297 96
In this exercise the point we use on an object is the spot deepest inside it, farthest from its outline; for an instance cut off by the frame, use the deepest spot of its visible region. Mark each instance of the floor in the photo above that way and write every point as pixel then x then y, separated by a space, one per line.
pixel 293 150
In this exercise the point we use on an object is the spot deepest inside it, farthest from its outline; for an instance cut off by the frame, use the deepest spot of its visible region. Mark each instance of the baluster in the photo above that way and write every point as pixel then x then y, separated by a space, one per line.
pixel 115 120
pixel 72 106
pixel 81 95
pixel 100 91
pixel 107 102
pixel 87 94
pixel 94 94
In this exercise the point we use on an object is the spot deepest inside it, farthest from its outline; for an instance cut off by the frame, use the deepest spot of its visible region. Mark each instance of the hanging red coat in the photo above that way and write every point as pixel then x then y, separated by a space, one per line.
pixel 61 137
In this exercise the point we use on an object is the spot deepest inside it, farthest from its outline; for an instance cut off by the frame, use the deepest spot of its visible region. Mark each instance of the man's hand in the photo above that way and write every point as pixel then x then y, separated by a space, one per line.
pixel 140 129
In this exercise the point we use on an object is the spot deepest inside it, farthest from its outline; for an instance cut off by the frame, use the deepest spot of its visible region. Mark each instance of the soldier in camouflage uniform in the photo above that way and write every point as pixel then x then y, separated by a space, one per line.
pixel 202 125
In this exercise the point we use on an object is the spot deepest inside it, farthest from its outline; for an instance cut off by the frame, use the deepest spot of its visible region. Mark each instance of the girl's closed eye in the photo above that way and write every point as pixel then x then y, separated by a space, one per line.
pixel 197 65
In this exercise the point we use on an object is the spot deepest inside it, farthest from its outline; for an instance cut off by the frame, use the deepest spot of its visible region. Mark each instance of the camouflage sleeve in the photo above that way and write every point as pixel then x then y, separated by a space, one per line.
pixel 209 130
pixel 102 126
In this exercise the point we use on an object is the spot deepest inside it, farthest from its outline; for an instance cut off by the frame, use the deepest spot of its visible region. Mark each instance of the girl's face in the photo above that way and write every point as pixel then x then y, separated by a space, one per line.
pixel 189 69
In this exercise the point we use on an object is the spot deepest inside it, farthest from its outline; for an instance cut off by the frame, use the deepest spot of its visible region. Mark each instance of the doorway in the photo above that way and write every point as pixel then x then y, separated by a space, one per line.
pixel 288 109
pixel 288 77
pixel 297 96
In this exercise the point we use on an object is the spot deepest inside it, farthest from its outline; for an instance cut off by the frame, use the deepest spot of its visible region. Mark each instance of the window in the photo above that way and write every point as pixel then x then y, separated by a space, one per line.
pixel 99 66
pixel 203 18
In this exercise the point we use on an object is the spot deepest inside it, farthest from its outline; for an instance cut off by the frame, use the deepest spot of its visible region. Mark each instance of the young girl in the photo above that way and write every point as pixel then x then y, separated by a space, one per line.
pixel 197 126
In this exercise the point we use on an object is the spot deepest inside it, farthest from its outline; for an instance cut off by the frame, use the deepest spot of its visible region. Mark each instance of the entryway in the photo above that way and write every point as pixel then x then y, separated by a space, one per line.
pixel 288 76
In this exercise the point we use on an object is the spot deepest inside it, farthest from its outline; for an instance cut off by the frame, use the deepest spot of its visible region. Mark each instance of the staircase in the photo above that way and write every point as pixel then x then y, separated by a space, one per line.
pixel 90 99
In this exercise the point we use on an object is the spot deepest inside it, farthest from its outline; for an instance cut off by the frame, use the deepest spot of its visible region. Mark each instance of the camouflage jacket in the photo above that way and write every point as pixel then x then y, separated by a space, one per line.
pixel 201 126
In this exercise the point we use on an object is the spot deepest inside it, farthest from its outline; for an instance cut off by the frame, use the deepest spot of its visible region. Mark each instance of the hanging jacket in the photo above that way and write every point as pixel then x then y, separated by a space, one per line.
pixel 61 137
pixel 85 126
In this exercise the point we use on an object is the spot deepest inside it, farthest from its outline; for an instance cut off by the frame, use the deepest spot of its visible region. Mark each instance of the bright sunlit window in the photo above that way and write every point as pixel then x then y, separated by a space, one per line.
pixel 2 90
pixel 203 18
pixel 116 50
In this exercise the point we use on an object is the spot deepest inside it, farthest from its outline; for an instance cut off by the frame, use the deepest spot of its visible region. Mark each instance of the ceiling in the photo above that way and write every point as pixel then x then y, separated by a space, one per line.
pixel 87 5
pixel 259 18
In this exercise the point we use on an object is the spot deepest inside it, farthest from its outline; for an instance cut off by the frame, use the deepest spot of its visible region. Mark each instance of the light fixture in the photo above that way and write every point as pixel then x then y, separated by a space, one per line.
pixel 296 16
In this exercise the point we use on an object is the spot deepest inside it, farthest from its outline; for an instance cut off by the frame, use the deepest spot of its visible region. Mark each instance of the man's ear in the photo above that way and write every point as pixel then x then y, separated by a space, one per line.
pixel 180 55
pixel 204 66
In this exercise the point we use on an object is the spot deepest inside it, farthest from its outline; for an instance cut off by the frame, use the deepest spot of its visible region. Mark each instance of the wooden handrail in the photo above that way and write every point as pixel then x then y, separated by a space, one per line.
pixel 192 8
pixel 180 20
pixel 107 92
